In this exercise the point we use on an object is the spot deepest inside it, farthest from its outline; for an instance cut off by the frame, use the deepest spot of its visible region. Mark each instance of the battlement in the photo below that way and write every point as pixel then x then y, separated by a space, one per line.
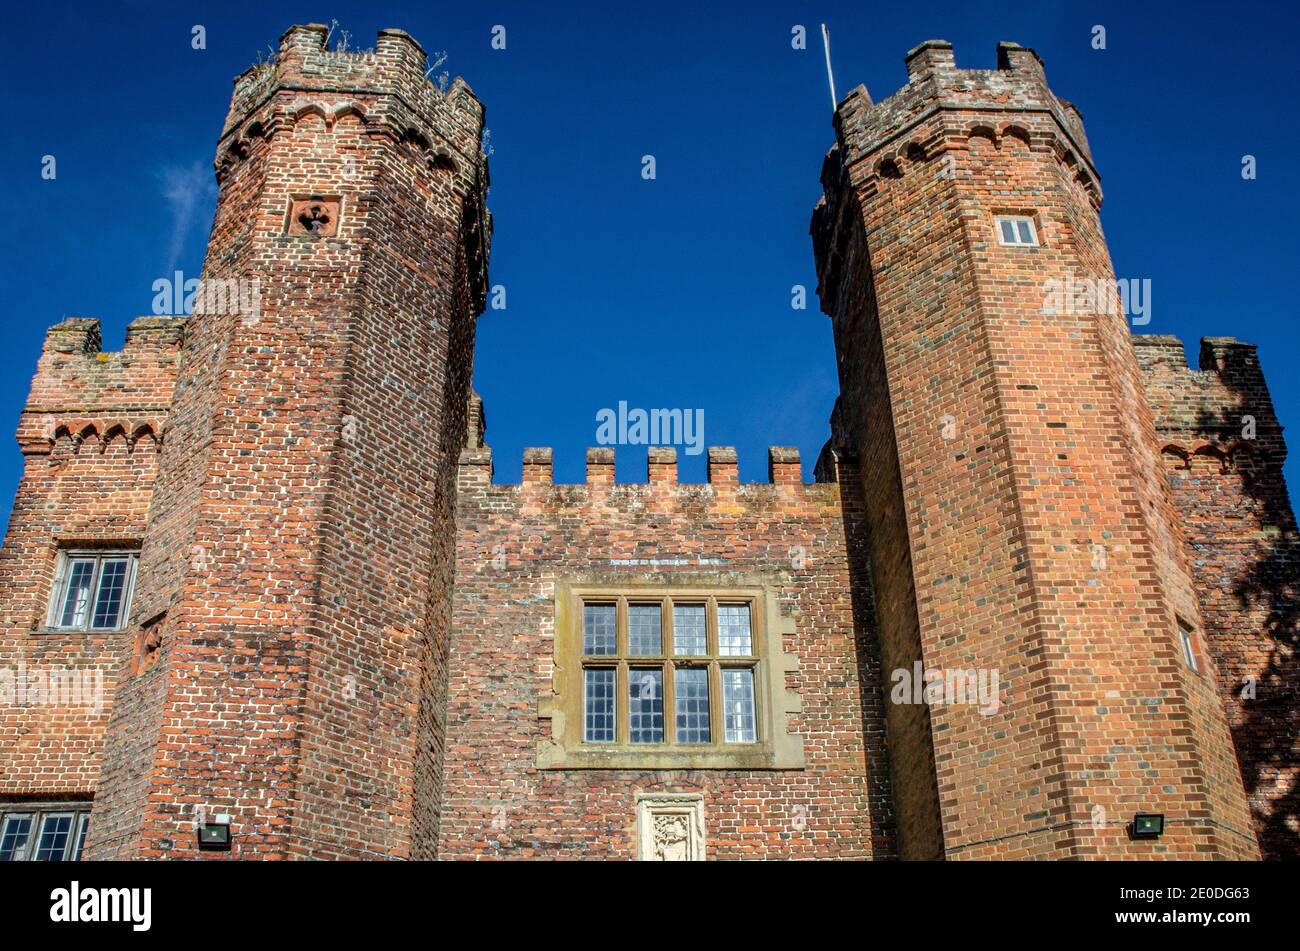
pixel 1222 404
pixel 949 124
pixel 1018 86
pixel 80 388
pixel 385 87
pixel 783 466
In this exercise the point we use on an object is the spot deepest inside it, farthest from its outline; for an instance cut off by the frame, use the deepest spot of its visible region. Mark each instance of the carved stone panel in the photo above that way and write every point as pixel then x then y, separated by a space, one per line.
pixel 314 216
pixel 670 827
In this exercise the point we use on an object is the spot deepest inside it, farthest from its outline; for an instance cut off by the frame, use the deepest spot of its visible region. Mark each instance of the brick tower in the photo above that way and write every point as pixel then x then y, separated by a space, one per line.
pixel 293 602
pixel 1019 516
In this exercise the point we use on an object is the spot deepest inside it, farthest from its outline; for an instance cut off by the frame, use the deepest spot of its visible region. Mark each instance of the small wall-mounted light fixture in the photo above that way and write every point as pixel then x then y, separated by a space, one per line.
pixel 215 836
pixel 1147 825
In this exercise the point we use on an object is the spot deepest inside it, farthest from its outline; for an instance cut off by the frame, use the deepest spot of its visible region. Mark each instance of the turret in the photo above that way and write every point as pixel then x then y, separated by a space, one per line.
pixel 294 583
pixel 1012 477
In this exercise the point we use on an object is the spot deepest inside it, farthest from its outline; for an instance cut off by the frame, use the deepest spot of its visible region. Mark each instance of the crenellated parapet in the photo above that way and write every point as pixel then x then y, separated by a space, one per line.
pixel 386 88
pixel 784 471
pixel 943 107
pixel 1220 413
pixel 381 94
pixel 929 129
pixel 90 397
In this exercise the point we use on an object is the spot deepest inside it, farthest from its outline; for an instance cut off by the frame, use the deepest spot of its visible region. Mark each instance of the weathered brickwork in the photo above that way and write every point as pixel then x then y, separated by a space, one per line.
pixel 349 639
pixel 1223 451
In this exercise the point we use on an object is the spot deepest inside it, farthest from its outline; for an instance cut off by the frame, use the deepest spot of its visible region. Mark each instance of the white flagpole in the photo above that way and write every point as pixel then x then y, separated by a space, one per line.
pixel 830 76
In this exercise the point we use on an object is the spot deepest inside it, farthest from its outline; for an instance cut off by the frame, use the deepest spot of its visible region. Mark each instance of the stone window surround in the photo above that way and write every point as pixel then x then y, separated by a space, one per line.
pixel 777 749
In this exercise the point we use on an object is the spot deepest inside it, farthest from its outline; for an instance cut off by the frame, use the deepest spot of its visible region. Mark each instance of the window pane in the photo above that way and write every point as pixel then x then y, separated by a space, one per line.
pixel 53 844
pixel 76 604
pixel 733 630
pixel 112 591
pixel 692 705
pixel 1008 231
pixel 738 706
pixel 645 706
pixel 598 705
pixel 688 630
pixel 598 635
pixel 1026 231
pixel 13 837
pixel 1189 652
pixel 82 824
pixel 644 634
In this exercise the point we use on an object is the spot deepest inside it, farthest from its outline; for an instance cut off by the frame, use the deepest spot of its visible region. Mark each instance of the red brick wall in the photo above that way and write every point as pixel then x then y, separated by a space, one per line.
pixel 516 541
pixel 1227 485
pixel 89 435
pixel 1052 452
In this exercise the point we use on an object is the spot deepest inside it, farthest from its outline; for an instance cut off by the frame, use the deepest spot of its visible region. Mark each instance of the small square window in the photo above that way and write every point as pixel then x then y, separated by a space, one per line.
pixel 92 591
pixel 1015 230
pixel 14 836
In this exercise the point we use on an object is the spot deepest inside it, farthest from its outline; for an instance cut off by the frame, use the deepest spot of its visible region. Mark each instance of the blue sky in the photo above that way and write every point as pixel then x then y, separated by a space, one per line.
pixel 666 293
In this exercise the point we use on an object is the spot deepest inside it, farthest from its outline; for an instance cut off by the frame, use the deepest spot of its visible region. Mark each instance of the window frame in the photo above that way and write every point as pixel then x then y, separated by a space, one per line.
pixel 63 579
pixel 1187 644
pixel 1037 241
pixel 567 748
pixel 667 662
pixel 40 812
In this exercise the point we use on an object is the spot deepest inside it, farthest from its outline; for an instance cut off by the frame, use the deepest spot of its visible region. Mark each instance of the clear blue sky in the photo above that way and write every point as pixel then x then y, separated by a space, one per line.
pixel 676 292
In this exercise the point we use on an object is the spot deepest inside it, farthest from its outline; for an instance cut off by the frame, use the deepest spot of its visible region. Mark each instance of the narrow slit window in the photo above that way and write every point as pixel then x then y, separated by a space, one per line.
pixel 1187 642
pixel 645 708
pixel 693 705
pixel 598 705
pixel 738 705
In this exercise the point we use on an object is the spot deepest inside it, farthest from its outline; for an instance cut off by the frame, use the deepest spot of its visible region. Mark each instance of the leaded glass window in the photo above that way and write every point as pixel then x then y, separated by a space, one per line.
pixel 668 671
